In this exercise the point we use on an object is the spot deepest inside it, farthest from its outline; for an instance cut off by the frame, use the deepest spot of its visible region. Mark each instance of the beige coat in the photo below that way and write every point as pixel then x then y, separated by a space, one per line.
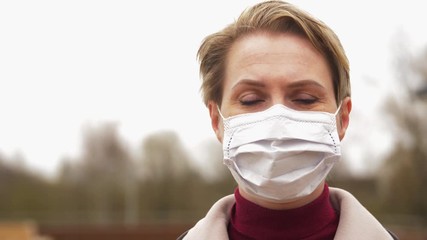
pixel 355 221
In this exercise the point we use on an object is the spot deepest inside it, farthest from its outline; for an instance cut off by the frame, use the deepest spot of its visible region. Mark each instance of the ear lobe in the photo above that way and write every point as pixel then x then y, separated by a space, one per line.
pixel 215 119
pixel 344 118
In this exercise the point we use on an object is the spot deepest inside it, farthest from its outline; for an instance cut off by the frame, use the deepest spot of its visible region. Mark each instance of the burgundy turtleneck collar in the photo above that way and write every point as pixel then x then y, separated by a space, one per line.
pixel 316 220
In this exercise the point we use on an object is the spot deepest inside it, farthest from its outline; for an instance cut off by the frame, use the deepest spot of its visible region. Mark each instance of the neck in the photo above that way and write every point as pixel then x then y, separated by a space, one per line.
pixel 283 205
pixel 314 220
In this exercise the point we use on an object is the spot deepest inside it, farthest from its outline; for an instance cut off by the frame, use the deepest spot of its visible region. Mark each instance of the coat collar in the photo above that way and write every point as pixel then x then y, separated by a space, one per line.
pixel 355 220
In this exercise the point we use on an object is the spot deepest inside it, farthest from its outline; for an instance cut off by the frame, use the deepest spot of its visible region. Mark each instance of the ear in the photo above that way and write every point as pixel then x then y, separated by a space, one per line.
pixel 215 120
pixel 344 117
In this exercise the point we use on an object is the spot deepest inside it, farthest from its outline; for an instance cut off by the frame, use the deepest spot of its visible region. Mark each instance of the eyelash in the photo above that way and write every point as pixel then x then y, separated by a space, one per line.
pixel 251 103
pixel 306 101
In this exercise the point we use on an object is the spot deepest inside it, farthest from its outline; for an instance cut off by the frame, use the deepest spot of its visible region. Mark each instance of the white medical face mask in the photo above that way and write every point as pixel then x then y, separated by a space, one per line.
pixel 280 154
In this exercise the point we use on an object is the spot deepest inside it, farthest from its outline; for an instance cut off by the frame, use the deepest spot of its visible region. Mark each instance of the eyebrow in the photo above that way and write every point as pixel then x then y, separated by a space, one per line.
pixel 295 84
pixel 249 82
pixel 306 83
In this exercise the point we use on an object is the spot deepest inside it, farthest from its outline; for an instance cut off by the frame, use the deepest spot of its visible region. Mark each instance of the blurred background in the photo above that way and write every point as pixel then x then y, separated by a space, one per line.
pixel 103 133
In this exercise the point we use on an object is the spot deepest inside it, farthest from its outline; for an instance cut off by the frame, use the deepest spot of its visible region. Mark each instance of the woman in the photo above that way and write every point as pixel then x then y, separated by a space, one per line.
pixel 276 83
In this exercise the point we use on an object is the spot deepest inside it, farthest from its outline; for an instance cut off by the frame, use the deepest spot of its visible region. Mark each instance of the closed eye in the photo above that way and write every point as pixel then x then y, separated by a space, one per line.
pixel 250 99
pixel 250 103
pixel 305 101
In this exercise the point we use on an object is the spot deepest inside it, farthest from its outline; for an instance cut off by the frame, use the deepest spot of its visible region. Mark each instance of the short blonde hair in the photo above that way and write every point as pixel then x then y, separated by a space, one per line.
pixel 270 16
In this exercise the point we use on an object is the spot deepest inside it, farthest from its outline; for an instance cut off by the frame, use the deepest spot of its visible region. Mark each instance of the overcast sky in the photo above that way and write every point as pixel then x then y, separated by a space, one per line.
pixel 67 64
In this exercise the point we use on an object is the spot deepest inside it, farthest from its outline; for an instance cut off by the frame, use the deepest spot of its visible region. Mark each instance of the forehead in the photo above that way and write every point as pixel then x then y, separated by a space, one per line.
pixel 284 56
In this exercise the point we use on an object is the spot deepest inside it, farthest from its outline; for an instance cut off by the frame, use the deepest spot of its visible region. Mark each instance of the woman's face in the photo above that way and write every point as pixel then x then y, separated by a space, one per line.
pixel 264 69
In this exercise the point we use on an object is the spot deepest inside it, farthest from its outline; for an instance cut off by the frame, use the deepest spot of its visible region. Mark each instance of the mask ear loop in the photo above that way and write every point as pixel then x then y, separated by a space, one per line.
pixel 223 118
pixel 338 109
pixel 219 111
pixel 335 114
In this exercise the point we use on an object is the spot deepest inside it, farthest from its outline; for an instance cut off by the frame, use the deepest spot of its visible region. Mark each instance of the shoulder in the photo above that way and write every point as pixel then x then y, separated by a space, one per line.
pixel 214 224
pixel 221 208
